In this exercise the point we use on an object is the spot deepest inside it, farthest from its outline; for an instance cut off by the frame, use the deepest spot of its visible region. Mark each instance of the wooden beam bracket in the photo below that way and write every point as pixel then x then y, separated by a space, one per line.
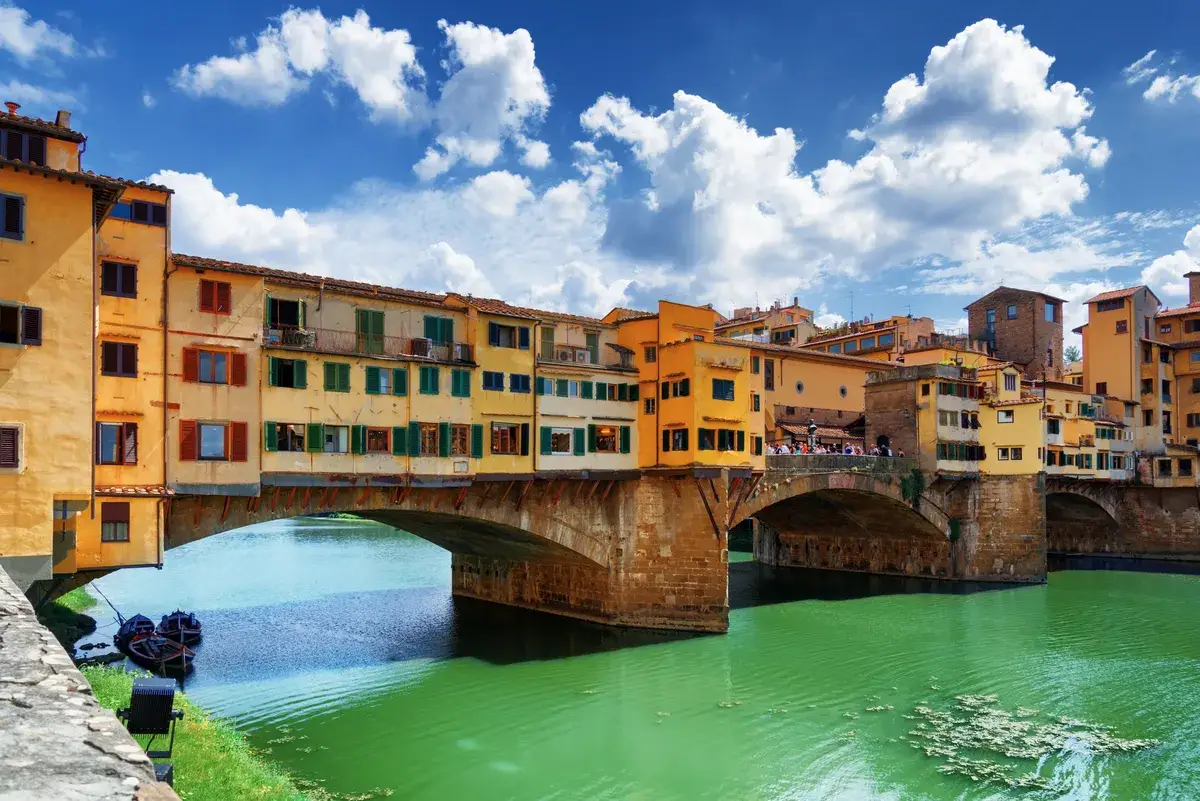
pixel 711 518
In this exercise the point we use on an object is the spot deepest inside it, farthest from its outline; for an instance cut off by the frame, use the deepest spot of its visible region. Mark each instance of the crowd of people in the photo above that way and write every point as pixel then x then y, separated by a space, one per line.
pixel 783 449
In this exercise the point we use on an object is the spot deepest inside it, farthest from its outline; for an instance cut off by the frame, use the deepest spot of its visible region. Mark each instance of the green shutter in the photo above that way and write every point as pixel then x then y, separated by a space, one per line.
pixel 477 441
pixel 267 313
pixel 399 446
pixel 624 439
pixel 446 329
pixel 414 438
pixel 270 436
pixel 460 383
pixel 343 378
pixel 591 439
pixel 633 392
pixel 299 374
pixel 272 371
pixel 545 438
pixel 443 439
pixel 741 440
pixel 372 380
pixel 431 328
pixel 622 392
pixel 315 439
pixel 358 439
pixel 601 390
pixel 331 376
pixel 585 390
pixel 577 442
pixel 399 381
pixel 560 387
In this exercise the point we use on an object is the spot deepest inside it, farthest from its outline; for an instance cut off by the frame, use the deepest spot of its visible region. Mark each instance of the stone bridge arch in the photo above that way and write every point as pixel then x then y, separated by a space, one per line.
pixel 1082 517
pixel 847 520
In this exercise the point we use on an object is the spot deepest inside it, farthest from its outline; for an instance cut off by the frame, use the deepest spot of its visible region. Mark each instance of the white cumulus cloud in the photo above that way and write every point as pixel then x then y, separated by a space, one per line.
pixel 1166 273
pixel 28 38
pixel 1163 84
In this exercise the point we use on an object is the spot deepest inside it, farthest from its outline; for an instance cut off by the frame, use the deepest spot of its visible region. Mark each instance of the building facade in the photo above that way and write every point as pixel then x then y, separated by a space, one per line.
pixel 1022 327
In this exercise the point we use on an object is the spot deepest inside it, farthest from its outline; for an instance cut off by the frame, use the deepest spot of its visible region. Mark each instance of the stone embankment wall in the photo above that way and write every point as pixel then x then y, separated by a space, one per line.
pixel 1129 521
pixel 56 741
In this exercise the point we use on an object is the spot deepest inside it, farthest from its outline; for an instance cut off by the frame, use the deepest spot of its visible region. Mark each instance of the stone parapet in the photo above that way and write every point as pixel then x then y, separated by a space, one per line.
pixel 56 741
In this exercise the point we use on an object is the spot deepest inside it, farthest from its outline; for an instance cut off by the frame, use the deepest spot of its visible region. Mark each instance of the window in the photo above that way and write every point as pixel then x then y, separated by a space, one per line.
pixel 1195 387
pixel 287 373
pixel 1053 427
pixel 755 402
pixel 1147 354
pixel 606 439
pixel 114 521
pixel 506 439
pixel 1166 422
pixel 504 336
pixel 1164 328
pixel 573 389
pixel 559 439
pixel 1191 326
pixel 651 354
pixel 1004 416
pixel 799 387
pixel 1166 390
pixel 460 437
pixel 768 374
pixel 116 443
pixel 214 367
pixel 1068 407
pixel 429 381
pixel 1122 326
pixel 706 439
pixel 118 279
pixel 924 390
pixel 460 383
pixel 20 146
pixel 722 389
pixel 215 297
pixel 379 440
pixel 560 387
pixel 1010 382
pixel 139 211
pixel 493 382
pixel 337 439
pixel 679 439
pixel 991 319
pixel 1194 356
pixel 337 377
pixel 727 440
pixel 368 331
pixel 756 446
pixel 755 364
pixel 1164 467
pixel 439 329
pixel 212 441
pixel 1002 454
pixel 429 439
pixel 1164 355
pixel 1017 453
pixel 649 405
pixel 1185 467
pixel 1101 387
pixel 1147 386
pixel 284 313
pixel 835 348
pixel 842 391
pixel 1193 420
pixel 10 447
pixel 868 343
pixel 1148 417
pixel 14 217
pixel 119 359
pixel 1110 305
pixel 886 339
pixel 518 383
pixel 20 325
pixel 1012 311
pixel 285 437
pixel 851 346
pixel 1052 312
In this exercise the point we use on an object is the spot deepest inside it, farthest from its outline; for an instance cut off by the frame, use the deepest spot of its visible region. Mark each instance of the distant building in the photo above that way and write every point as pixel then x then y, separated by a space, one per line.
pixel 778 325
pixel 882 339
pixel 1021 326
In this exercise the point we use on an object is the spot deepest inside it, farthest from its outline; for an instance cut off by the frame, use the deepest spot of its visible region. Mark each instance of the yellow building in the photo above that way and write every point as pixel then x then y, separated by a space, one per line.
pixel 882 339
pixel 778 325
pixel 931 413
pixel 1010 430
pixel 703 410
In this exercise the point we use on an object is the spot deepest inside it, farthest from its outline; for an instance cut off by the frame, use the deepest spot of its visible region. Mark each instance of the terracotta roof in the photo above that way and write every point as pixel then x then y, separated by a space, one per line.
pixel 83 177
pixel 140 492
pixel 138 184
pixel 822 431
pixel 1117 293
pixel 752 317
pixel 1191 308
pixel 497 306
pixel 621 314
pixel 1158 342
pixel 1014 402
pixel 309 280
pixel 1191 343
pixel 990 367
pixel 1013 290
pixel 40 126
pixel 878 364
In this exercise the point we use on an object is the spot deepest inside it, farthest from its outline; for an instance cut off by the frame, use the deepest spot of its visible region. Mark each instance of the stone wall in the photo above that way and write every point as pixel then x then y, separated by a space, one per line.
pixel 1125 521
pixel 56 741
pixel 1006 540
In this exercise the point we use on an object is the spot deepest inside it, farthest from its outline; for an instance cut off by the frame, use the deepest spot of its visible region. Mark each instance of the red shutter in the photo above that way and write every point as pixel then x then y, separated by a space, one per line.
pixel 224 298
pixel 187 440
pixel 129 443
pixel 237 442
pixel 191 364
pixel 237 369
pixel 208 296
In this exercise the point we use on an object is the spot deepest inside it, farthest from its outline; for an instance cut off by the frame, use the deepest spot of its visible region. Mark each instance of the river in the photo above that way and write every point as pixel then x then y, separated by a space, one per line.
pixel 336 645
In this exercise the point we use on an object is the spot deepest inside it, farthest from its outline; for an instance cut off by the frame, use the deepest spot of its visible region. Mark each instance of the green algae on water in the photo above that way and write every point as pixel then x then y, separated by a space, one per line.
pixel 978 724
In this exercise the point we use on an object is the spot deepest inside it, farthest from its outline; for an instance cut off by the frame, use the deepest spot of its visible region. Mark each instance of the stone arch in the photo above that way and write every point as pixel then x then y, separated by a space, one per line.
pixel 1081 518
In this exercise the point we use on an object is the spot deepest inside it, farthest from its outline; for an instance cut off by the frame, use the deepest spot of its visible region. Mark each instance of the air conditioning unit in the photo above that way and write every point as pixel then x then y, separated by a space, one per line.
pixel 565 355
pixel 421 346
pixel 462 352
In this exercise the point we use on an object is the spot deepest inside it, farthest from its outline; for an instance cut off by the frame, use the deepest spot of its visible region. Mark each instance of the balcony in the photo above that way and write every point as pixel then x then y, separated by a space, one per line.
pixel 565 354
pixel 326 340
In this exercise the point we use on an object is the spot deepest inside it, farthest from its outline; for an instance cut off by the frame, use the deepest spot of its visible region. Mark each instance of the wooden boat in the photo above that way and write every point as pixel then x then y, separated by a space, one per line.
pixel 136 626
pixel 159 654
pixel 182 627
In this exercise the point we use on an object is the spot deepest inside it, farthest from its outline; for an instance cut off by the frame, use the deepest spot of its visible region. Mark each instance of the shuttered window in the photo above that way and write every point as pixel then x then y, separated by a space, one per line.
pixel 368 331
pixel 118 359
pixel 14 217
pixel 114 521
pixel 399 381
pixel 118 279
pixel 460 383
pixel 289 373
pixel 21 146
pixel 429 381
pixel 337 377
pixel 116 443
pixel 216 297
pixel 10 447
pixel 439 329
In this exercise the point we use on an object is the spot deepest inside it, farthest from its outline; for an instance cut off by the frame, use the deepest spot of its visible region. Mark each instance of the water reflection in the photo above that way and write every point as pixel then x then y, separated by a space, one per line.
pixel 1057 562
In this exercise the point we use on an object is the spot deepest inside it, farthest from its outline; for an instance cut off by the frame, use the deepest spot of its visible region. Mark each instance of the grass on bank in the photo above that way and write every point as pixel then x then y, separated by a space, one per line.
pixel 213 761
pixel 65 617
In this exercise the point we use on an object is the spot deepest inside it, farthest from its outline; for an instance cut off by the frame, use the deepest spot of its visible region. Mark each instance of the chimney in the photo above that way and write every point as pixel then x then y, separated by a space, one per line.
pixel 12 107
pixel 795 300
pixel 63 118
pixel 1193 287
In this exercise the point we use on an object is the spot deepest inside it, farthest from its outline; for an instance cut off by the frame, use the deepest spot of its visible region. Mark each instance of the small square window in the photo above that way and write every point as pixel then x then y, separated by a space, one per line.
pixel 337 439
pixel 114 521
pixel 1012 311
pixel 212 441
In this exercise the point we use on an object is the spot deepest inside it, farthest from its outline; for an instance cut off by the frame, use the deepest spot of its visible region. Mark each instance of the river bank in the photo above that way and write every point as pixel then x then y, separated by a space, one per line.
pixel 213 761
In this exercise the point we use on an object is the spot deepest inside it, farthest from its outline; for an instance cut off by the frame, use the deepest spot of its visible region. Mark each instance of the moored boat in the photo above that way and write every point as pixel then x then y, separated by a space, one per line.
pixel 159 654
pixel 136 626
pixel 182 627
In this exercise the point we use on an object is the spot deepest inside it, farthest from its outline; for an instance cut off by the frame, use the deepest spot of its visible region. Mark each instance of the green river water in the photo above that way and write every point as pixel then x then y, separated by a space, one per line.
pixel 336 646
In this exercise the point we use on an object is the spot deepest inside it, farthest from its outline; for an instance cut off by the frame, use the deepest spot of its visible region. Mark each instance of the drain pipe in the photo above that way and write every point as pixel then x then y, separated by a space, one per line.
pixel 168 271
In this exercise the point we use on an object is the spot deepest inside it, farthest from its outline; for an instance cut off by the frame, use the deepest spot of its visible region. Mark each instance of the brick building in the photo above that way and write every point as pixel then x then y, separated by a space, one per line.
pixel 1021 326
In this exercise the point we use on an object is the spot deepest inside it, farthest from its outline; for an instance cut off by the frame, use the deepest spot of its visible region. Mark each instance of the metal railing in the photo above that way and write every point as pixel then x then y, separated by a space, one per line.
pixel 837 462
pixel 327 340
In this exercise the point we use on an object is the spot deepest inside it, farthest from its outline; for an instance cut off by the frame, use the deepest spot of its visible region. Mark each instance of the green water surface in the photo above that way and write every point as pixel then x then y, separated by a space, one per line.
pixel 383 683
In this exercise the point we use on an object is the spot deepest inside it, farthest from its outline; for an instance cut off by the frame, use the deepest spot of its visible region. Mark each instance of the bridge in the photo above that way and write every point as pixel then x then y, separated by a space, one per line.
pixel 649 548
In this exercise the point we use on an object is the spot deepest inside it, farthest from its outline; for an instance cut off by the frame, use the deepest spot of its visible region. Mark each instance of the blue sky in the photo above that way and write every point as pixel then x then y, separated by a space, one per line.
pixel 711 152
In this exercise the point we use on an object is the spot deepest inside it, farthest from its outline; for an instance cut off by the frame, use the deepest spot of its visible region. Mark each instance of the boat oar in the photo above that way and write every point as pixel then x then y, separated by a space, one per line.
pixel 120 619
